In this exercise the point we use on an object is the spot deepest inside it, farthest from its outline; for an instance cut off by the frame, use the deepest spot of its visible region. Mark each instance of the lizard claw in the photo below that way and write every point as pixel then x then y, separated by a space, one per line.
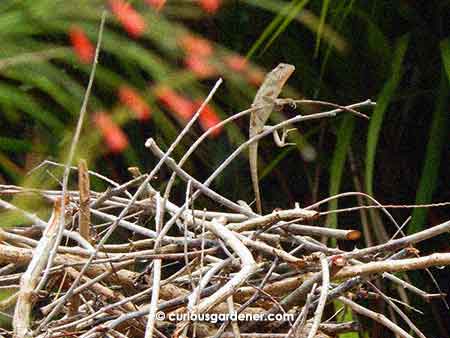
pixel 283 142
pixel 287 131
pixel 280 103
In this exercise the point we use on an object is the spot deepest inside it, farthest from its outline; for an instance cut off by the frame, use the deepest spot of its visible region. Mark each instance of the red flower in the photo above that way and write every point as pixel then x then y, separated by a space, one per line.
pixel 115 138
pixel 210 6
pixel 255 77
pixel 81 44
pixel 208 118
pixel 199 66
pixel 236 62
pixel 180 105
pixel 157 4
pixel 196 46
pixel 131 99
pixel 131 20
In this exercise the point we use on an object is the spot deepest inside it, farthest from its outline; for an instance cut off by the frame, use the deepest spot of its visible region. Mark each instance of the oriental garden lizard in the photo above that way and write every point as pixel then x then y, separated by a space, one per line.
pixel 265 98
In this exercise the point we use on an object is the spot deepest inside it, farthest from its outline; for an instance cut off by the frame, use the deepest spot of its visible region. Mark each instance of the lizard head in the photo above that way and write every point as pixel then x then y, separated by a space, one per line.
pixel 283 71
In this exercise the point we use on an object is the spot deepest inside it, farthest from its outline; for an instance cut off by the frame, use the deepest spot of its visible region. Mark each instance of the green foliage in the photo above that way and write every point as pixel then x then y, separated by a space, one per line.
pixel 383 100
pixel 438 136
pixel 277 26
pixel 344 138
pixel 323 15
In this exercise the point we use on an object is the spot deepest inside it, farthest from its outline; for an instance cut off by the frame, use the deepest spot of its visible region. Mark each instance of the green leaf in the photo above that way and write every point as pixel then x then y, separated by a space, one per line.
pixel 436 141
pixel 269 30
pixel 344 138
pixel 445 51
pixel 292 13
pixel 10 168
pixel 305 17
pixel 274 163
pixel 383 101
pixel 323 15
pixel 11 96
pixel 40 76
pixel 346 317
pixel 15 145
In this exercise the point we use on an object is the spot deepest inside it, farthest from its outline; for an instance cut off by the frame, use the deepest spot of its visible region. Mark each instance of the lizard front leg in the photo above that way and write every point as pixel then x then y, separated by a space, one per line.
pixel 281 141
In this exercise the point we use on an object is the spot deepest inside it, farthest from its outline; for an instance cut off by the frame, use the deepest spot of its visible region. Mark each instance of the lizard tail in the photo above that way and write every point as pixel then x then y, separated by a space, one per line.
pixel 253 158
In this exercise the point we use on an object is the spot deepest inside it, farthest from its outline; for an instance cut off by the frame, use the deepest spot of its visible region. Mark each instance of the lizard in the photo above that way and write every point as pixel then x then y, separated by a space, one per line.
pixel 265 97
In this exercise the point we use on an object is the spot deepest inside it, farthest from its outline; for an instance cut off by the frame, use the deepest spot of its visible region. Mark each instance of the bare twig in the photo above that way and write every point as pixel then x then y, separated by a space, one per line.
pixel 378 317
pixel 437 259
pixel 73 146
pixel 85 212
pixel 156 275
pixel 30 279
pixel 323 296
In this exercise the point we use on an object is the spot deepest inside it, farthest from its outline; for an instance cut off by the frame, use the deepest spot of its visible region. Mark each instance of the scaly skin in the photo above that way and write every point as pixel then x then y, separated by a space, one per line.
pixel 266 95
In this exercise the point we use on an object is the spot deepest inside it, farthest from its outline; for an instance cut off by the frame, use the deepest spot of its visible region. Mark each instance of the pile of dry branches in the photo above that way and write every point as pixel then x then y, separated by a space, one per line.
pixel 71 280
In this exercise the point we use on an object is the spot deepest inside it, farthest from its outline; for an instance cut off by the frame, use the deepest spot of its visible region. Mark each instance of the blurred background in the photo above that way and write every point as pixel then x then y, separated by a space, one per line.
pixel 159 60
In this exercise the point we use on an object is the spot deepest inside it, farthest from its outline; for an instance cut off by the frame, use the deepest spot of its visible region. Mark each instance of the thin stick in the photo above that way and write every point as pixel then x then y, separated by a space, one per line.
pixel 85 213
pixel 185 233
pixel 426 296
pixel 84 219
pixel 156 274
pixel 73 146
pixel 234 324
pixel 398 310
pixel 401 242
pixel 301 319
pixel 43 225
pixel 378 317
pixel 323 296
pixel 30 278
pixel 93 173
pixel 151 144
pixel 248 267
pixel 436 259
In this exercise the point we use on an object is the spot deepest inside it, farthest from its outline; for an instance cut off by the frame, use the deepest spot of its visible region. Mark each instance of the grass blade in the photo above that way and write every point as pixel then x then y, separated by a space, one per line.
pixel 382 103
pixel 344 138
pixel 323 15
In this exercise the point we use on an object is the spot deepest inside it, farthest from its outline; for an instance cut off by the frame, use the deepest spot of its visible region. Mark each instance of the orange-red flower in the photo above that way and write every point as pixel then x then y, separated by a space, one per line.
pixel 130 19
pixel 255 77
pixel 131 99
pixel 210 6
pixel 199 66
pixel 114 137
pixel 183 107
pixel 208 118
pixel 81 44
pixel 236 62
pixel 157 4
pixel 196 46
